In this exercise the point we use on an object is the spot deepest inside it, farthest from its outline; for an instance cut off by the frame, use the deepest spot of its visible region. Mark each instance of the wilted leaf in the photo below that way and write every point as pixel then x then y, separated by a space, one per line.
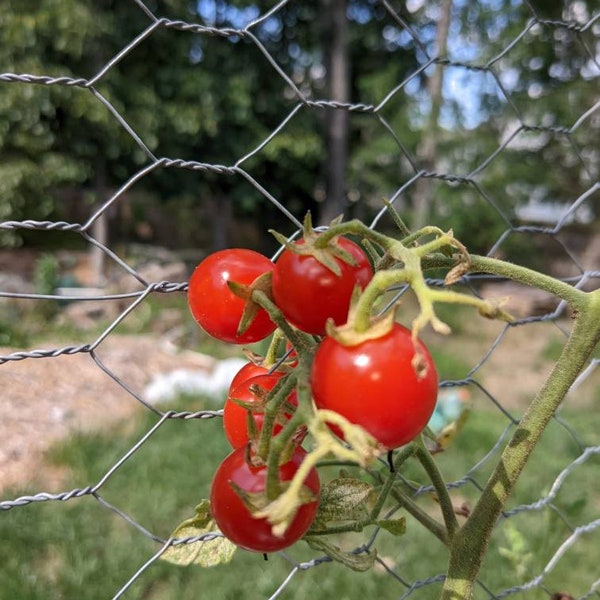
pixel 356 562
pixel 394 526
pixel 205 553
pixel 345 499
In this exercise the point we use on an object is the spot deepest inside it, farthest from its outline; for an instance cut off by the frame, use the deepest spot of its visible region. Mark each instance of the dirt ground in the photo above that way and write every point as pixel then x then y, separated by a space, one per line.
pixel 45 399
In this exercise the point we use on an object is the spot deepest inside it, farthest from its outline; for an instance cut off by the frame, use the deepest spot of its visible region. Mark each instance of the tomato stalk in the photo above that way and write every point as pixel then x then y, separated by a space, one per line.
pixel 276 401
pixel 363 450
pixel 420 515
pixel 412 274
pixel 471 541
pixel 401 456
pixel 270 358
pixel 281 510
pixel 356 228
pixel 300 341
pixel 439 485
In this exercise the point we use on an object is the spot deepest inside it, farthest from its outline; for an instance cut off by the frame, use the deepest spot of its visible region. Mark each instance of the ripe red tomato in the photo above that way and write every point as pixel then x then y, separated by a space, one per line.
pixel 215 307
pixel 308 293
pixel 374 384
pixel 235 417
pixel 246 372
pixel 233 518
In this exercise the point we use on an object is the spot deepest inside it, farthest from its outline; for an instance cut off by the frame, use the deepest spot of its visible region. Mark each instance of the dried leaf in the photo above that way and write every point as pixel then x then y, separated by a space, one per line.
pixel 356 562
pixel 345 499
pixel 394 526
pixel 205 553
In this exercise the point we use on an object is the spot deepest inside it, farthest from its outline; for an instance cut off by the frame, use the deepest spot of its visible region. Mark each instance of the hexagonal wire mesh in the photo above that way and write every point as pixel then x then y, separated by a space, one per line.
pixel 577 537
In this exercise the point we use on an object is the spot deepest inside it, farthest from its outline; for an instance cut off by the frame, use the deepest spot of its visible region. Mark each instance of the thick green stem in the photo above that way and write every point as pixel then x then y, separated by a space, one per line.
pixel 471 541
pixel 528 277
pixel 484 264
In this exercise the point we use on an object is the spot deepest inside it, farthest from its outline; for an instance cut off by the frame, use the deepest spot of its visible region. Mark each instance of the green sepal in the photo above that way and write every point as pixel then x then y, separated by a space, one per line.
pixel 257 502
pixel 251 308
pixel 325 250
pixel 202 553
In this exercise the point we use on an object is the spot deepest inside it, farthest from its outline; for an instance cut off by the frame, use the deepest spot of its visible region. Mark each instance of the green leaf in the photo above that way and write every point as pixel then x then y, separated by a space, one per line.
pixel 356 562
pixel 203 553
pixel 345 499
pixel 394 526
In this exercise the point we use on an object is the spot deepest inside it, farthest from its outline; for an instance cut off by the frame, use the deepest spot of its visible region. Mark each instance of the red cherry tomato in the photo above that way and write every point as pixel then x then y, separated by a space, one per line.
pixel 215 307
pixel 233 518
pixel 308 293
pixel 374 384
pixel 235 417
pixel 246 372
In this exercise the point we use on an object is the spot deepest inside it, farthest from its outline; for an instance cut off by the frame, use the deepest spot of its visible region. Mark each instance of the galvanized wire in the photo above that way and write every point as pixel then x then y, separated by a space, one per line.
pixel 408 586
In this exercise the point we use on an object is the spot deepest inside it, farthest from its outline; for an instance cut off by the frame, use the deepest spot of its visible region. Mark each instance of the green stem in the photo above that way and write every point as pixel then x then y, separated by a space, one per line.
pixel 271 354
pixel 471 541
pixel 439 485
pixel 358 228
pixel 276 445
pixel 280 393
pixel 420 515
pixel 297 338
pixel 429 230
pixel 493 266
pixel 527 276
pixel 379 284
pixel 400 224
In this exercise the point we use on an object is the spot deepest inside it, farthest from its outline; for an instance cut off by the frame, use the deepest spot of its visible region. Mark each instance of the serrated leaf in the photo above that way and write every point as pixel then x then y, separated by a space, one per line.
pixel 204 553
pixel 345 499
pixel 394 526
pixel 356 562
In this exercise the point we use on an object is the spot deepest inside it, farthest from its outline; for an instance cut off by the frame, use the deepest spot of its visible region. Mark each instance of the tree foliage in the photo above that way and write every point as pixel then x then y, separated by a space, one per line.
pixel 512 69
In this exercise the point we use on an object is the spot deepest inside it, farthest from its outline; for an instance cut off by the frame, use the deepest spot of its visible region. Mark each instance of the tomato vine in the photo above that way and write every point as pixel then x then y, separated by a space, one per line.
pixel 355 396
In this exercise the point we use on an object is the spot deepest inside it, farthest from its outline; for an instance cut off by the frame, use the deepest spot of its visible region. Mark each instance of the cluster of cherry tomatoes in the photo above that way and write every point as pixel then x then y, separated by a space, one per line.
pixel 373 383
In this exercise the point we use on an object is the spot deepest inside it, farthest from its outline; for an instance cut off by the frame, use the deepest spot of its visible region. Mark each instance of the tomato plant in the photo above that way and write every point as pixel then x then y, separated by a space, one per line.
pixel 375 384
pixel 216 308
pixel 233 517
pixel 308 293
pixel 235 416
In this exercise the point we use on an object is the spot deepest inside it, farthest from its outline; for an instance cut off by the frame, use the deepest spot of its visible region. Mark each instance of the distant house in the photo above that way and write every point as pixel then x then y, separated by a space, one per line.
pixel 551 213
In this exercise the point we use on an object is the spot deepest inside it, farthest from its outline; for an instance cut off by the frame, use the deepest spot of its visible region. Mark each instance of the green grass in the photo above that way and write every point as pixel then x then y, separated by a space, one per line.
pixel 80 549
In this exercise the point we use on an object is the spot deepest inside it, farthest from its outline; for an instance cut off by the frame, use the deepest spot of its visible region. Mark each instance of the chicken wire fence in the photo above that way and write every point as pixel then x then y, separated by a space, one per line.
pixel 578 535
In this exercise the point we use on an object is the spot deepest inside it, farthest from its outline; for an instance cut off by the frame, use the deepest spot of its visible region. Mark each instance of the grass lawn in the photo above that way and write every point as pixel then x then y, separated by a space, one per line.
pixel 81 549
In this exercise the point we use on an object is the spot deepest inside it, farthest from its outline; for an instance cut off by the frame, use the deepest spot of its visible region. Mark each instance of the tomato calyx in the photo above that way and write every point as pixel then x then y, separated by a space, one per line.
pixel 363 449
pixel 251 308
pixel 323 248
pixel 350 334
pixel 256 502
pixel 263 396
